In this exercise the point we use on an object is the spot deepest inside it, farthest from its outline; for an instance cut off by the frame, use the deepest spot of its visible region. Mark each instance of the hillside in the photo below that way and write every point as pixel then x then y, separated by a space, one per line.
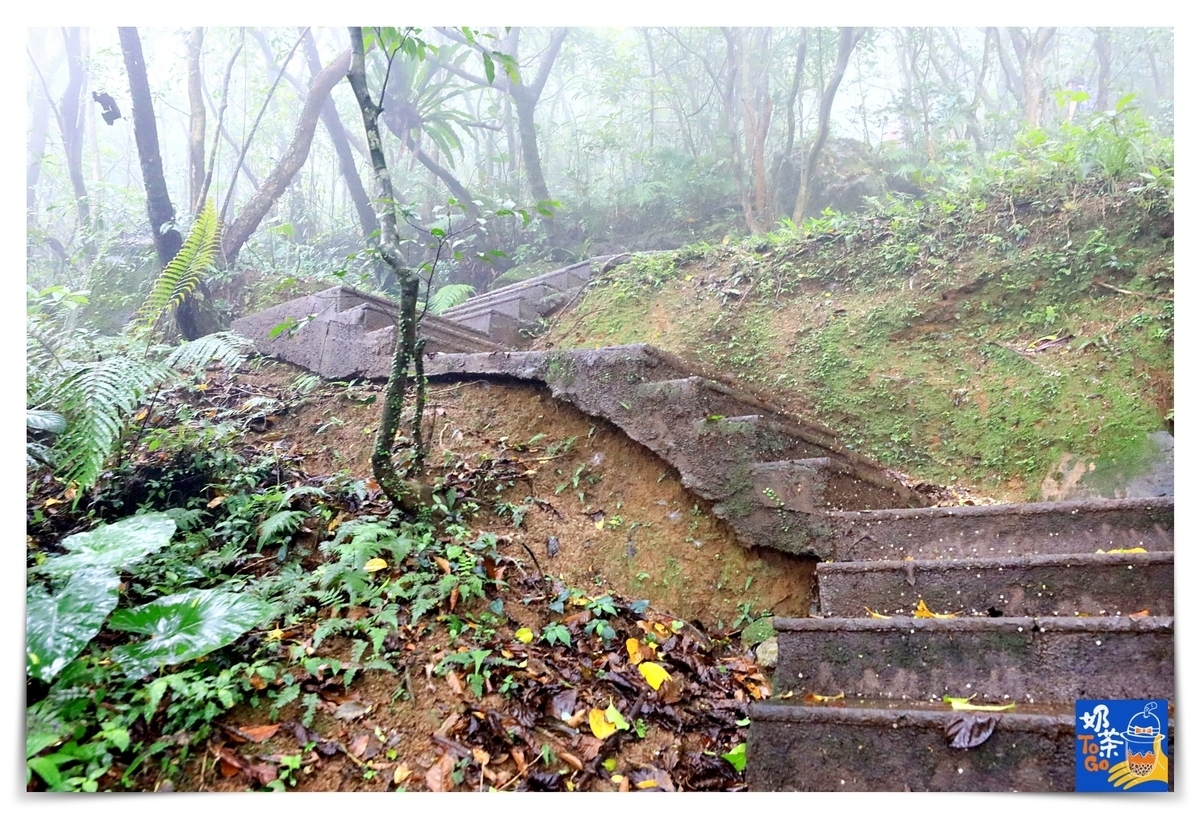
pixel 1015 344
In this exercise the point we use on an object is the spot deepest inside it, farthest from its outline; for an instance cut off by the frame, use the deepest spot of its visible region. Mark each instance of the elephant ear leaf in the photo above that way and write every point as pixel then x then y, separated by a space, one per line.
pixel 57 628
pixel 184 626
pixel 113 547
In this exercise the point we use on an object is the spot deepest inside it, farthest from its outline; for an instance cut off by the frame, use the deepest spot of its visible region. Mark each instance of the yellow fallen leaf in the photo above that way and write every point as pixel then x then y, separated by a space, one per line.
pixel 647 784
pixel 523 635
pixel 817 697
pixel 617 779
pixel 401 775
pixel 602 728
pixel 216 501
pixel 965 704
pixel 1123 551
pixel 635 651
pixel 876 614
pixel 923 612
pixel 374 565
pixel 654 674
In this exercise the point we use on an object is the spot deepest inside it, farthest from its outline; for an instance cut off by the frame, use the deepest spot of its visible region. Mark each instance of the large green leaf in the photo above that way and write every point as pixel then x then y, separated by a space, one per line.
pixel 184 626
pixel 115 546
pixel 57 628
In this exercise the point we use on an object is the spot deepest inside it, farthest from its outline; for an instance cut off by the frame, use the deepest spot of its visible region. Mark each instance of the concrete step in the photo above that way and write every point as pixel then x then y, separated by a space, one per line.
pixel 1052 585
pixel 1075 527
pixel 881 746
pixel 1022 659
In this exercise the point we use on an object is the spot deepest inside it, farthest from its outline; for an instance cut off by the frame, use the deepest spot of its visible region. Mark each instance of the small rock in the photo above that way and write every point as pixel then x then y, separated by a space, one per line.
pixel 767 653
pixel 552 546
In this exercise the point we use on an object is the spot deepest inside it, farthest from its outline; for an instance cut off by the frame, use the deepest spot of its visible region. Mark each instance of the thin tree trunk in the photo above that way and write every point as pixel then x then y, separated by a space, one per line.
pixel 73 110
pixel 212 156
pixel 253 212
pixel 167 240
pixel 196 131
pixel 848 40
pixel 1104 55
pixel 398 491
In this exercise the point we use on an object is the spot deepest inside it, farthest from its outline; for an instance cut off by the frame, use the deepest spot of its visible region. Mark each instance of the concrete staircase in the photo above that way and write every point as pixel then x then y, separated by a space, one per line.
pixel 1043 620
pixel 773 477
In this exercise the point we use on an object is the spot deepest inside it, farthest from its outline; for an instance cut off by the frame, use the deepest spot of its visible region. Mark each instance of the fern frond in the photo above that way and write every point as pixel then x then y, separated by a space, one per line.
pixel 183 273
pixel 96 399
pixel 226 348
pixel 280 524
pixel 449 297
pixel 301 491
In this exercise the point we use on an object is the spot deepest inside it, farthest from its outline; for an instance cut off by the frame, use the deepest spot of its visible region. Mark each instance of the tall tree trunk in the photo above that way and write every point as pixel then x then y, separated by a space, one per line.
pixel 38 133
pixel 1031 53
pixel 1104 55
pixel 167 240
pixel 253 212
pixel 526 99
pixel 846 43
pixel 73 109
pixel 196 131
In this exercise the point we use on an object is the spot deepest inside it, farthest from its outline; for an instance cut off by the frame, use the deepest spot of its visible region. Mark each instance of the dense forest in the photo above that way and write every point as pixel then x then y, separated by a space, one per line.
pixel 959 199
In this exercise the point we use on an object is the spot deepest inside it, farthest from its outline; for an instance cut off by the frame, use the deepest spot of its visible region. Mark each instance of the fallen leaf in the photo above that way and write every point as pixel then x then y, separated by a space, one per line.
pixel 737 757
pixel 614 717
pixel 966 730
pixel 374 565
pixel 523 635
pixel 358 745
pixel 965 704
pixel 654 674
pixel 571 760
pixel 216 501
pixel 876 615
pixel 923 612
pixel 1123 551
pixel 818 698
pixel 1140 614
pixel 443 563
pixel 602 728
pixel 481 756
pixel 350 710
pixel 261 733
pixel 437 778
pixel 401 775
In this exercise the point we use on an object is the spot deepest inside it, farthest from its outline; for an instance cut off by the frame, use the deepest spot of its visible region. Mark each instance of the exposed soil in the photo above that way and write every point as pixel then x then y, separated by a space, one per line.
pixel 622 525
pixel 635 529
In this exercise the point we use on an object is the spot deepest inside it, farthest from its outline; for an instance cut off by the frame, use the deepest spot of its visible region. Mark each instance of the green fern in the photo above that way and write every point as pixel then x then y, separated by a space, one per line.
pixel 449 297
pixel 184 272
pixel 226 348
pixel 96 399
pixel 279 525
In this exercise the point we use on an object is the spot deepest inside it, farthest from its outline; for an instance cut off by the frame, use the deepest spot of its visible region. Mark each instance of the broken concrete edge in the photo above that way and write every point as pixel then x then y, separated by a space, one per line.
pixel 988 563
pixel 978 624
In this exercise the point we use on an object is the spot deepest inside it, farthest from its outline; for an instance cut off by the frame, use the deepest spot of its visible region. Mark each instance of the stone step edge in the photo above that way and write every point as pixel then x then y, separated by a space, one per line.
pixel 1006 509
pixel 1035 624
pixel 888 718
pixel 996 563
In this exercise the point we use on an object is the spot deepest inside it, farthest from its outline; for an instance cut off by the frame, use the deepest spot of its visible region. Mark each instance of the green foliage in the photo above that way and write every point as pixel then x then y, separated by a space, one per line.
pixel 112 547
pixel 449 296
pixel 58 628
pixel 182 627
pixel 184 272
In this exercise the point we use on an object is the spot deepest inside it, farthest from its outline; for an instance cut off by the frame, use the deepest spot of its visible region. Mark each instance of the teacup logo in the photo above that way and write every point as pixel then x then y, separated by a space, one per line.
pixel 1109 759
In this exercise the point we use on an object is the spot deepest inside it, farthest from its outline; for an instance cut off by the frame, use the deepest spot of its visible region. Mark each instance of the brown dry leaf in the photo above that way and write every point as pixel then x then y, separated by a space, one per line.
pixel 438 779
pixel 572 760
pixel 261 733
pixel 577 719
pixel 519 759
pixel 443 563
pixel 453 597
pixel 258 682
pixel 481 756
pixel 589 747
pixel 448 725
pixel 454 682
pixel 216 501
pixel 263 773
pixel 358 744
pixel 1140 614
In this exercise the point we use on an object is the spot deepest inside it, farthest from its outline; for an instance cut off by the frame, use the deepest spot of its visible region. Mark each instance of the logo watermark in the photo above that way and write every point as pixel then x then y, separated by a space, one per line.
pixel 1121 745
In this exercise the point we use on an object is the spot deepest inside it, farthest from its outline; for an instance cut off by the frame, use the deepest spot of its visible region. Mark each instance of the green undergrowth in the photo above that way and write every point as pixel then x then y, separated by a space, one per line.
pixel 974 337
